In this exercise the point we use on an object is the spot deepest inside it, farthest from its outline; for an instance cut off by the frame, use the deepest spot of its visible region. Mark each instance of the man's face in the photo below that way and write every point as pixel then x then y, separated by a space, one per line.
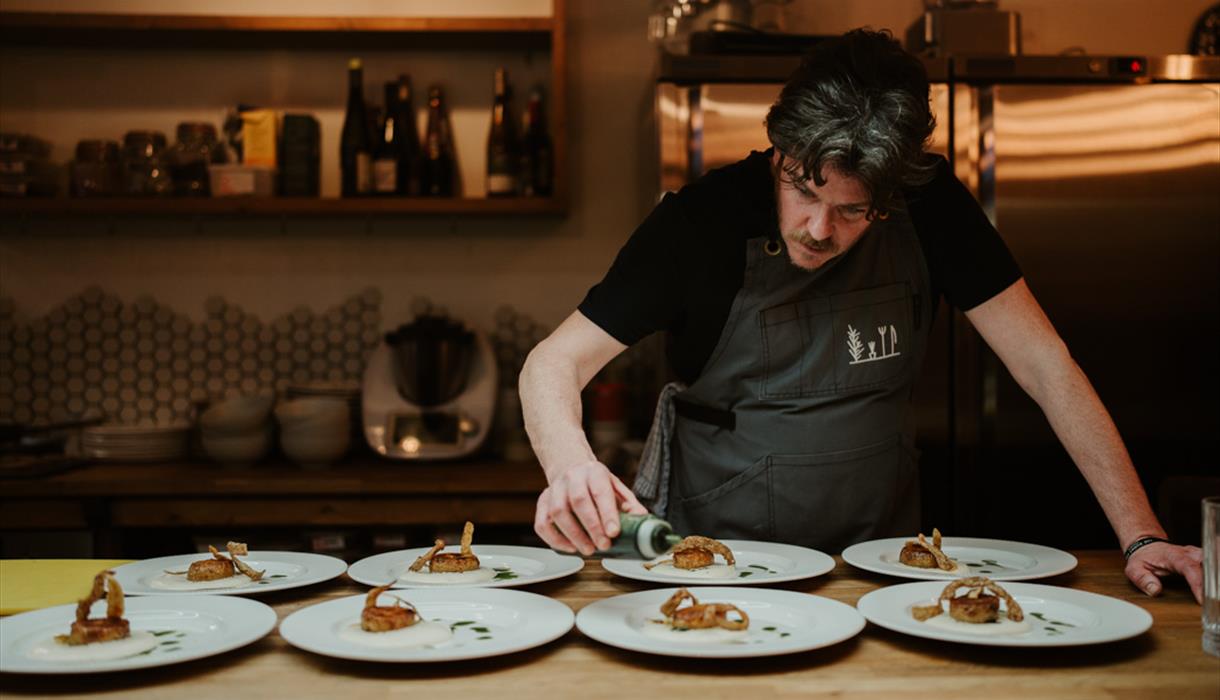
pixel 819 223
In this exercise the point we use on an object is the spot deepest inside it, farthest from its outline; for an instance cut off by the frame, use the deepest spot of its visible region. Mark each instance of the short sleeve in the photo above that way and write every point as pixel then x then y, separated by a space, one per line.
pixel 967 259
pixel 640 293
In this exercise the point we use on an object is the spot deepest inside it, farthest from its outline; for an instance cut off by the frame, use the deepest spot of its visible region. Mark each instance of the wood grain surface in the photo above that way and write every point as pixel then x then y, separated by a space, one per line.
pixel 1166 662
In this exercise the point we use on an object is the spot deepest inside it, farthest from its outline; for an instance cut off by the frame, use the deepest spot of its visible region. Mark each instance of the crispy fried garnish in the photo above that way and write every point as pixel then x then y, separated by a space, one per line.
pixel 427 556
pixel 449 562
pixel 386 618
pixel 975 586
pixel 109 628
pixel 943 562
pixel 693 545
pixel 701 615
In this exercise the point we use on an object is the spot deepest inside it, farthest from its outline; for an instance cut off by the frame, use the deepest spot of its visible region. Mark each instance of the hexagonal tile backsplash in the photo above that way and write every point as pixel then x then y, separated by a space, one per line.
pixel 143 362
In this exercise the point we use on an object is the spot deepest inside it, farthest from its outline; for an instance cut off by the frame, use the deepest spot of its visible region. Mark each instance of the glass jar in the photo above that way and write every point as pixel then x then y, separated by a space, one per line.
pixel 196 149
pixel 95 171
pixel 144 168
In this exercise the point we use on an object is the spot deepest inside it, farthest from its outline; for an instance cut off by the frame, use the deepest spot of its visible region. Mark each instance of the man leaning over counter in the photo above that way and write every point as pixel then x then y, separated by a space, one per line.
pixel 797 289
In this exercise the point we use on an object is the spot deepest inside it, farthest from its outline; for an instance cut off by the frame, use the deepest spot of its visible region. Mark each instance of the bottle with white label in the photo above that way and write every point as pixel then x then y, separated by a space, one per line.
pixel 385 155
pixel 503 147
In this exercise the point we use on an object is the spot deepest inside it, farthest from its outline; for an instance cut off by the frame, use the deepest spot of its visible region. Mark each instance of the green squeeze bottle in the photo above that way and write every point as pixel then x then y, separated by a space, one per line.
pixel 642 537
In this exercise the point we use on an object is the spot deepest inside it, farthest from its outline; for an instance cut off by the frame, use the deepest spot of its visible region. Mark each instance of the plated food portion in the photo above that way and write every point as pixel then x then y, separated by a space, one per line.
pixel 695 556
pixel 944 558
pixel 461 567
pixel 697 560
pixel 439 624
pixel 977 610
pixel 491 566
pixel 236 571
pixel 716 622
pixel 132 633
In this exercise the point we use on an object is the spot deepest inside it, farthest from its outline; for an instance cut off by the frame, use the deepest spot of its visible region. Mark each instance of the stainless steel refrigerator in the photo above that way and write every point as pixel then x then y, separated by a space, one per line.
pixel 1103 176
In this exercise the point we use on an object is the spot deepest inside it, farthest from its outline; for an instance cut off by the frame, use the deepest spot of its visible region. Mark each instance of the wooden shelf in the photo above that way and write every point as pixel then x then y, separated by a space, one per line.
pixel 282 206
pixel 137 31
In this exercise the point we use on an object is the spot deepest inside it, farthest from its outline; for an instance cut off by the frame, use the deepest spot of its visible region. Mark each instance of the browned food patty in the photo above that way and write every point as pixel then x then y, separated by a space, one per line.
pixel 452 562
pixel 694 558
pixel 387 618
pixel 106 629
pixel 914 554
pixel 985 608
pixel 209 570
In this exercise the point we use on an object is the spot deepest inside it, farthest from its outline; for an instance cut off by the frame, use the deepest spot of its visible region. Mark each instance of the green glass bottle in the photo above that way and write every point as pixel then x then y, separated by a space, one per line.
pixel 642 537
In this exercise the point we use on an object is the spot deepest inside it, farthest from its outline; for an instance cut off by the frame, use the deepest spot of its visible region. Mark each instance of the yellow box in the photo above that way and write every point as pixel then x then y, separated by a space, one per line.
pixel 258 138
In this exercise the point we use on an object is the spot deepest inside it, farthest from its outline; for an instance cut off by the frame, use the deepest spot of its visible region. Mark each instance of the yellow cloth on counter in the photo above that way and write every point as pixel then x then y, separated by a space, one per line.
pixel 31 584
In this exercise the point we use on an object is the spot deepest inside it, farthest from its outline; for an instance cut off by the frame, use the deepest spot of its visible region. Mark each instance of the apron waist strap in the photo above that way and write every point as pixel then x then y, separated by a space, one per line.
pixel 719 417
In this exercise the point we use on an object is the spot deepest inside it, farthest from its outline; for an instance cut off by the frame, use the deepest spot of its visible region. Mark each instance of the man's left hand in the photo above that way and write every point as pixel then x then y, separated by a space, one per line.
pixel 1149 563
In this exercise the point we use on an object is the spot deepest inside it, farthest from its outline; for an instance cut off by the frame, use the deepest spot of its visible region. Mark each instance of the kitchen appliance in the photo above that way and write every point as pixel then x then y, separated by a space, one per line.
pixel 956 27
pixel 430 391
pixel 1101 174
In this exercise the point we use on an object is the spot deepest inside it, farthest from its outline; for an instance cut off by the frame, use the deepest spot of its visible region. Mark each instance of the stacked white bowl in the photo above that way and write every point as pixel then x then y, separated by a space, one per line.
pixel 314 431
pixel 237 431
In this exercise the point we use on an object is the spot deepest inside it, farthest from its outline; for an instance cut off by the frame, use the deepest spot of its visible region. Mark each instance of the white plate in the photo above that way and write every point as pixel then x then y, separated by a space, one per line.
pixel 283 570
pixel 521 566
pixel 760 562
pixel 999 560
pixel 189 628
pixel 493 622
pixel 781 622
pixel 1057 617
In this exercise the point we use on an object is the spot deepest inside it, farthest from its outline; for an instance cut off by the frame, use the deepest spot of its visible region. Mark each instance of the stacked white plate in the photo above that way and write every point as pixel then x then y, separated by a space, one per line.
pixel 135 443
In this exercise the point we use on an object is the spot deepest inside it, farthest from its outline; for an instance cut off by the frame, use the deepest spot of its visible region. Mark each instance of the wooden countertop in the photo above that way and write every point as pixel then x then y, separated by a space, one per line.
pixel 1167 661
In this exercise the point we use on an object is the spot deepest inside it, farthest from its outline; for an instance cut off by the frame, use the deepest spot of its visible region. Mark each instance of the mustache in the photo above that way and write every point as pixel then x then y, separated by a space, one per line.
pixel 826 246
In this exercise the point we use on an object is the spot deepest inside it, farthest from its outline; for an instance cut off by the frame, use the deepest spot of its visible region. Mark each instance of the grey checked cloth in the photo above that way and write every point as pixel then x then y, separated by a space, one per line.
pixel 652 478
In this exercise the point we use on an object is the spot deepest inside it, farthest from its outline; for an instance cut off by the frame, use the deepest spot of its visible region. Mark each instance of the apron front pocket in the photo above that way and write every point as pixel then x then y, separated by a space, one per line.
pixel 738 508
pixel 842 343
pixel 873 340
pixel 832 499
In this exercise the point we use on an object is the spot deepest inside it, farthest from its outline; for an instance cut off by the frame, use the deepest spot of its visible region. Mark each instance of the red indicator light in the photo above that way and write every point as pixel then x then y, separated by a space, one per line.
pixel 1136 66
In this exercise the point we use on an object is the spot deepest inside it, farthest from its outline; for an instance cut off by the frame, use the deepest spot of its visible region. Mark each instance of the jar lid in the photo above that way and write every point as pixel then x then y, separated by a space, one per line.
pixel 147 141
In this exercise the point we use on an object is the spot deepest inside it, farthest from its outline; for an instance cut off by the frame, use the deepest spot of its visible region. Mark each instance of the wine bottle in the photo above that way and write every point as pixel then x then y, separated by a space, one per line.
pixel 385 155
pixel 537 154
pixel 437 171
pixel 354 144
pixel 406 138
pixel 502 147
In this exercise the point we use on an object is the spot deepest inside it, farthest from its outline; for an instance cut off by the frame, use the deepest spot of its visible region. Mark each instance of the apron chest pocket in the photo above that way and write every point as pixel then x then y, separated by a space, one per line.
pixel 828 345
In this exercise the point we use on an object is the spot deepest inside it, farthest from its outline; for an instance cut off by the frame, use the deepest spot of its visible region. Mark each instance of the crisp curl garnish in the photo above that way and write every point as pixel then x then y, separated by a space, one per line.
pixel 697 543
pixel 975 586
pixel 701 615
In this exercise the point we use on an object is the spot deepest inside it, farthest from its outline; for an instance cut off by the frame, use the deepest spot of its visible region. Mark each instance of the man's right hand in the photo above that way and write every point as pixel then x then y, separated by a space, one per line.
pixel 579 510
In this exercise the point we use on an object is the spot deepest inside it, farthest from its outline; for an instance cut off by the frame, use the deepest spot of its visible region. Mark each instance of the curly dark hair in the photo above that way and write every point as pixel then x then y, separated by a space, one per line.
pixel 859 104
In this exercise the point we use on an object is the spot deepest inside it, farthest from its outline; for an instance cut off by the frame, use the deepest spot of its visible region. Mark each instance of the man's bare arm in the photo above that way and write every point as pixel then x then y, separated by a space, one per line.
pixel 579 509
pixel 1019 332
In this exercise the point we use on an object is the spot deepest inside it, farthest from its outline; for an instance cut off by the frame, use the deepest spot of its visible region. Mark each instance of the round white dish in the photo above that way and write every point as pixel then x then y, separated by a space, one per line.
pixel 511 566
pixel 284 570
pixel 999 560
pixel 756 563
pixel 1057 616
pixel 483 622
pixel 186 629
pixel 781 622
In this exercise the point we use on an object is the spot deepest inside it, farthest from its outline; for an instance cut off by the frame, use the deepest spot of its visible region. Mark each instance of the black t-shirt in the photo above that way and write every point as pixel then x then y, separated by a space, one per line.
pixel 681 269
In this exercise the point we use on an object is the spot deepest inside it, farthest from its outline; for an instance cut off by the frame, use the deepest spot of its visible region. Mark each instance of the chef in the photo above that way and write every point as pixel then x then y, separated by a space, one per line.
pixel 797 289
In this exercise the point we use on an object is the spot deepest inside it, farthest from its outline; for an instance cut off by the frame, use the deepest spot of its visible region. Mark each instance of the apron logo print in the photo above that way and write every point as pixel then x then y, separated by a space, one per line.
pixel 856 348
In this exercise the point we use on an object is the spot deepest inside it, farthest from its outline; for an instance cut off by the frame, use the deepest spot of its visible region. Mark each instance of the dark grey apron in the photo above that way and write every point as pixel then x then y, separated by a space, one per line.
pixel 800 428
